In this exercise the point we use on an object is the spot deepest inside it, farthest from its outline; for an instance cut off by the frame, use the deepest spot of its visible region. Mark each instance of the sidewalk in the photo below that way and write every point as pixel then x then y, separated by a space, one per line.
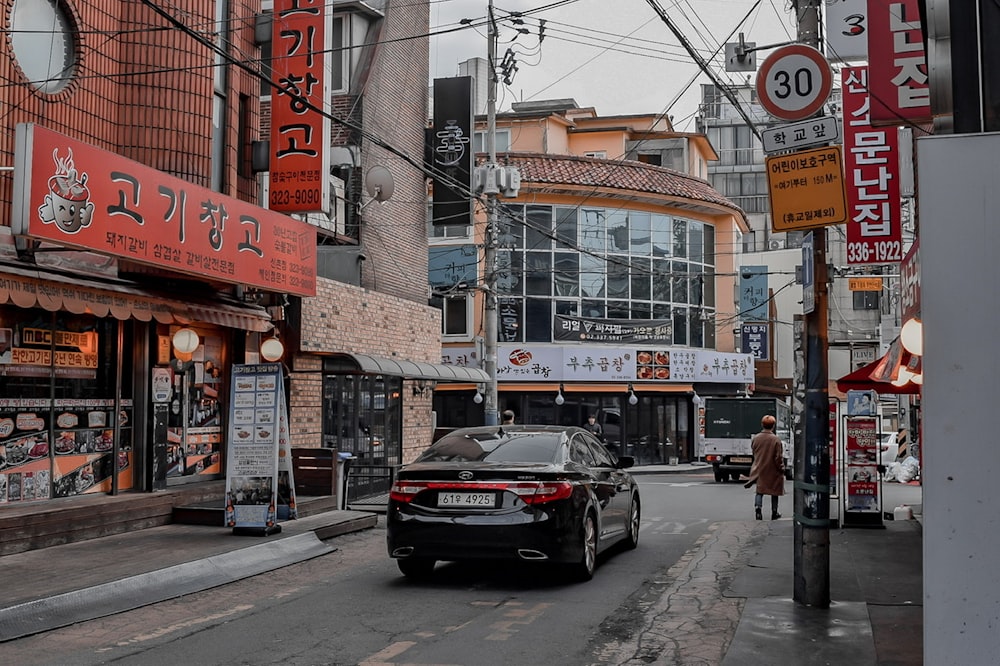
pixel 729 602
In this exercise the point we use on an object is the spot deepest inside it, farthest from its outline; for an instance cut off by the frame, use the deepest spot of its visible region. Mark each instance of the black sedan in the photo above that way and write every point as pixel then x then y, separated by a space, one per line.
pixel 537 493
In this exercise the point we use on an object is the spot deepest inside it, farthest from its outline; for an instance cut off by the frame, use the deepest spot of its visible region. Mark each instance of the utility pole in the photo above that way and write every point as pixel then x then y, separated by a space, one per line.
pixel 812 473
pixel 490 398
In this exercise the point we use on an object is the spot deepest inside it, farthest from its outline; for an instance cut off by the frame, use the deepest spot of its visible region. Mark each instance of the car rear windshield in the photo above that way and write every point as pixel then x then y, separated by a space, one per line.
pixel 489 447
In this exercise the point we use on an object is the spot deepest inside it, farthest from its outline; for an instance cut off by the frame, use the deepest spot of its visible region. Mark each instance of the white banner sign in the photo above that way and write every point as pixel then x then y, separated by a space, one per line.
pixel 599 363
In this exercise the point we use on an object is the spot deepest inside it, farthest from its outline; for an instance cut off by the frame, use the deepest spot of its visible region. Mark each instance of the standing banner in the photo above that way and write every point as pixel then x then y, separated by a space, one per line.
pixel 863 502
pixel 256 417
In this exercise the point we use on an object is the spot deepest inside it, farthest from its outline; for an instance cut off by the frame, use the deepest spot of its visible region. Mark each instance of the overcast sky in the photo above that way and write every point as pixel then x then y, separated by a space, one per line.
pixel 615 55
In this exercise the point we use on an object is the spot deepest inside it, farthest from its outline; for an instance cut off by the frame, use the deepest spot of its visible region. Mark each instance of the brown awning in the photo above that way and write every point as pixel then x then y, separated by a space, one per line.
pixel 880 374
pixel 53 291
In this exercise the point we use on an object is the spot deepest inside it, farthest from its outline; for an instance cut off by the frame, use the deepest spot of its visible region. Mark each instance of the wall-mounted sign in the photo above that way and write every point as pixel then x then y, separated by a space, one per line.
pixel 77 195
pixel 301 47
pixel 897 64
pixel 871 163
pixel 451 150
pixel 754 340
pixel 864 284
pixel 578 329
pixel 753 293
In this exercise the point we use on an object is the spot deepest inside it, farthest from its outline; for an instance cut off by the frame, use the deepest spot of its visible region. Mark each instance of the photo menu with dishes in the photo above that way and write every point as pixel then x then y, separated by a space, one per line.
pixel 256 401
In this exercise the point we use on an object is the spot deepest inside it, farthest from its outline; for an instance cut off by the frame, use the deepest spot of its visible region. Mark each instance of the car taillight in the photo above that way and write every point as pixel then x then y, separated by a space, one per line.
pixel 405 491
pixel 542 491
pixel 713 458
pixel 530 492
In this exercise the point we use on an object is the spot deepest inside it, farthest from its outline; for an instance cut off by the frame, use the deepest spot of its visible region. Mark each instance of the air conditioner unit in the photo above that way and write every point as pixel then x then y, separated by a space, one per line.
pixel 774 244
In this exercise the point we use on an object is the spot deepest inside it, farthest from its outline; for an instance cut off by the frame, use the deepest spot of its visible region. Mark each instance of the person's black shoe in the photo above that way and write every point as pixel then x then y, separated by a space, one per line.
pixel 775 515
pixel 757 513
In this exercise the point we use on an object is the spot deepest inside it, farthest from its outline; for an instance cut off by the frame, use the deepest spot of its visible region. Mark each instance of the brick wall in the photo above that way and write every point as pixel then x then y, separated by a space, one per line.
pixel 141 88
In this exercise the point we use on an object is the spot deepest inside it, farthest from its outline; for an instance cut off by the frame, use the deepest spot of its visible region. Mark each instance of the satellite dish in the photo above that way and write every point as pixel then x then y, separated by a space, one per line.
pixel 379 183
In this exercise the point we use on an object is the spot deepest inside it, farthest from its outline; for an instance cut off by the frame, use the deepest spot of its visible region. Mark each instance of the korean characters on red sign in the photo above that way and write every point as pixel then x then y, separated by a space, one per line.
pixel 300 133
pixel 871 169
pixel 897 63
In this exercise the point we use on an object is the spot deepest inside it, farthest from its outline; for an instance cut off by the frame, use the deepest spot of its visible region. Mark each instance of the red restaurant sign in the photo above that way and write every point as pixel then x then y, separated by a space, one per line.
pixel 871 171
pixel 897 63
pixel 300 136
pixel 74 194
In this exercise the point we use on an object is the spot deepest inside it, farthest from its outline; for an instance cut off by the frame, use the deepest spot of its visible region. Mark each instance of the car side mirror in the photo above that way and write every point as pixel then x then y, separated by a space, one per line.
pixel 624 462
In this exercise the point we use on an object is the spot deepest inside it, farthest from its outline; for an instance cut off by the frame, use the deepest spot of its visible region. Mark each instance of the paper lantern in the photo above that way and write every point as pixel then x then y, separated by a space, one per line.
pixel 185 341
pixel 272 349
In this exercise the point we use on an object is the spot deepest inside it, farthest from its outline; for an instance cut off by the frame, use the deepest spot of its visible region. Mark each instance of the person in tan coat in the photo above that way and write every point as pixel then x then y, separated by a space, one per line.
pixel 768 469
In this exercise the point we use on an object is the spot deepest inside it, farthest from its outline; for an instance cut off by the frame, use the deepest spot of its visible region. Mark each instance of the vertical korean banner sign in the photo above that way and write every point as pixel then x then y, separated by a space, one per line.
pixel 300 136
pixel 897 63
pixel 871 172
pixel 252 468
pixel 452 150
pixel 862 457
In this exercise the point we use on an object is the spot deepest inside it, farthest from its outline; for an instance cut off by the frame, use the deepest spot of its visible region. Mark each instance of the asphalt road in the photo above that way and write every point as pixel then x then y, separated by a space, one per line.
pixel 353 607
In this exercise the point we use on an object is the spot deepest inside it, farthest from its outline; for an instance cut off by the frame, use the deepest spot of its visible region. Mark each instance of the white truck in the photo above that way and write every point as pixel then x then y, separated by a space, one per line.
pixel 728 428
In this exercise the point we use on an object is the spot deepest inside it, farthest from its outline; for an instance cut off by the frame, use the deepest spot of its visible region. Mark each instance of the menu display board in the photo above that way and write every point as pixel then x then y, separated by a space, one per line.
pixel 257 423
pixel 63 448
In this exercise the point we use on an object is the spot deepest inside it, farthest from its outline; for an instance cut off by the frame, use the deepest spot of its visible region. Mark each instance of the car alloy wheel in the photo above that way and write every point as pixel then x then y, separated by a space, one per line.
pixel 584 569
pixel 634 515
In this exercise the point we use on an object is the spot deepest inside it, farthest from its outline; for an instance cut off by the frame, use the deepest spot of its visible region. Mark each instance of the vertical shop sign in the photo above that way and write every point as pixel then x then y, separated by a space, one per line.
pixel 846 30
pixel 833 448
pixel 451 150
pixel 754 341
pixel 256 409
pixel 753 293
pixel 300 134
pixel 897 63
pixel 871 168
pixel 863 502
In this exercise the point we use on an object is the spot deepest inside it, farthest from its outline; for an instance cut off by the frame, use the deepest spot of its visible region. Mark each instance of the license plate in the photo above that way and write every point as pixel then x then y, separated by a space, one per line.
pixel 466 499
pixel 737 459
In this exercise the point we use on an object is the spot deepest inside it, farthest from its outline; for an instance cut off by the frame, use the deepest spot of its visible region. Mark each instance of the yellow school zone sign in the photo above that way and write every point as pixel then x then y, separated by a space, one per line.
pixel 807 189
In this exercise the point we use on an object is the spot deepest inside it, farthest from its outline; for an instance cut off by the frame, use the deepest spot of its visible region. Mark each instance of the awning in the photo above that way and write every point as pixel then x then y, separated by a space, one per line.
pixel 365 364
pixel 54 291
pixel 879 375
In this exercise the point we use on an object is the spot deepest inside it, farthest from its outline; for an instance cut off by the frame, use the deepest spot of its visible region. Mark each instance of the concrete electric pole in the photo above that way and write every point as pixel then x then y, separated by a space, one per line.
pixel 812 469
pixel 490 397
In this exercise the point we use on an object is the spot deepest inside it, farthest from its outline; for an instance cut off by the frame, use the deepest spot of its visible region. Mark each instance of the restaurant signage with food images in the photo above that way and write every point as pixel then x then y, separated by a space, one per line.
pixel 862 473
pixel 63 448
pixel 77 195
pixel 256 417
pixel 598 363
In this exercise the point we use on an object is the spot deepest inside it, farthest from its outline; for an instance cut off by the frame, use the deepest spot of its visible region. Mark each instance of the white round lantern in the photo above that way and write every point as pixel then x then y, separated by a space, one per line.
pixel 185 341
pixel 911 336
pixel 272 349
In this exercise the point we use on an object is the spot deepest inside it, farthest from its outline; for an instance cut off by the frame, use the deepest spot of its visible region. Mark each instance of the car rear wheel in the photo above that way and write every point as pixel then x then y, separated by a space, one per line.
pixel 416 567
pixel 634 515
pixel 584 569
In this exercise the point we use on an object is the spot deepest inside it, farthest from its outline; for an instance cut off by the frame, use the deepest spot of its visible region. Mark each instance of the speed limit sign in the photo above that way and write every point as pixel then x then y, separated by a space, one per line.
pixel 794 82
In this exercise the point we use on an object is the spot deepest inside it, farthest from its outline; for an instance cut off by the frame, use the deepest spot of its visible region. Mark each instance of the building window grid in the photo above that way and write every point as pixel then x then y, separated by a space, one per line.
pixel 619 273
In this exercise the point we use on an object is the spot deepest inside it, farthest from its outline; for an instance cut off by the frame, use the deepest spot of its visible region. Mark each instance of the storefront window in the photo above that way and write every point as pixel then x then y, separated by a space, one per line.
pixel 194 418
pixel 69 431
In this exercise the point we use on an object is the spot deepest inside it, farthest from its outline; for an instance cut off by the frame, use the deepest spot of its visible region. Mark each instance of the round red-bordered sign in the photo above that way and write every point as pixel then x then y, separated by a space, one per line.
pixel 794 82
